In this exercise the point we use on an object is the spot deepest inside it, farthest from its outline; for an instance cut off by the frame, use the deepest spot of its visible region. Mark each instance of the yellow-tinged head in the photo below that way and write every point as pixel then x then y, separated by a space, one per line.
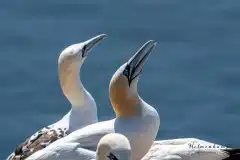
pixel 123 85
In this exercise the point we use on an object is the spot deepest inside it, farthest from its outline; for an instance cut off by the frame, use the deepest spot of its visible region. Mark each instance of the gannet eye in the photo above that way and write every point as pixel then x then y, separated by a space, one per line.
pixel 84 51
pixel 112 157
pixel 126 71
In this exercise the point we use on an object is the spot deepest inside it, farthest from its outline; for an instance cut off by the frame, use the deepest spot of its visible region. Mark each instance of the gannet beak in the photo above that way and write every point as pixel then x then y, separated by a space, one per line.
pixel 91 43
pixel 135 63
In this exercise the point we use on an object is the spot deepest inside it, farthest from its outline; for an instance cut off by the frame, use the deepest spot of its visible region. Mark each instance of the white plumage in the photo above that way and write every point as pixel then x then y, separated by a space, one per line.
pixel 84 110
pixel 190 149
pixel 136 119
pixel 112 146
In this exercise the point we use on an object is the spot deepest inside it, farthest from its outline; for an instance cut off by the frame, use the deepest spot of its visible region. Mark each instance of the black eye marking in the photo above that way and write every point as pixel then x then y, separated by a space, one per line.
pixel 84 50
pixel 112 157
pixel 126 73
pixel 129 76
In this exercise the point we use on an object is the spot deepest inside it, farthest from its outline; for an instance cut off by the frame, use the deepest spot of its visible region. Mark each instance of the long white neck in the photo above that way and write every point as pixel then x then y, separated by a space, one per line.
pixel 84 110
pixel 71 84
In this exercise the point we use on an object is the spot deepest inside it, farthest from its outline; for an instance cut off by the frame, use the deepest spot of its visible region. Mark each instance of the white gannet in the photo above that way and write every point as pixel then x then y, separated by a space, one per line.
pixel 190 149
pixel 83 111
pixel 135 119
pixel 112 146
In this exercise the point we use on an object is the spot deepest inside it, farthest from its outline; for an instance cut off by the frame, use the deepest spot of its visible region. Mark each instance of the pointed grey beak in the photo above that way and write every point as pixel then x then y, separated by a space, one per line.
pixel 91 43
pixel 135 63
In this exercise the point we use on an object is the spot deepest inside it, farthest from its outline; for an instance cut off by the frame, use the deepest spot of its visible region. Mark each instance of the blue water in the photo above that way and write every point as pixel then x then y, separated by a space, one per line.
pixel 192 78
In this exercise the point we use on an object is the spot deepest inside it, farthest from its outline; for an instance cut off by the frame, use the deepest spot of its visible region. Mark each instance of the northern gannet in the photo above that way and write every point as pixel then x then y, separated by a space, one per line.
pixel 83 111
pixel 112 146
pixel 190 149
pixel 135 119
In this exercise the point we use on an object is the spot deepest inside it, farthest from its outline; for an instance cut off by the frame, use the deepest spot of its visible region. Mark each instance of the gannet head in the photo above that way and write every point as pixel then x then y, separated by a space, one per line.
pixel 69 64
pixel 77 53
pixel 113 146
pixel 123 85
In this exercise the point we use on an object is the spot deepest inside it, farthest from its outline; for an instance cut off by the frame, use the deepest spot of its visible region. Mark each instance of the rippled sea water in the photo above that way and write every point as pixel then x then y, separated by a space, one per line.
pixel 192 78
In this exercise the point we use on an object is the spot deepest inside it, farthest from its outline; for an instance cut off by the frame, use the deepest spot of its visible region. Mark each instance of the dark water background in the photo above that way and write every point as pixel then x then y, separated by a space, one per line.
pixel 192 78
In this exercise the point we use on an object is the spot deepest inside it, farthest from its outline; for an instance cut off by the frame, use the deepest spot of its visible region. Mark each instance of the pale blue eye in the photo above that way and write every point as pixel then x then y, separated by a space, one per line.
pixel 126 71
